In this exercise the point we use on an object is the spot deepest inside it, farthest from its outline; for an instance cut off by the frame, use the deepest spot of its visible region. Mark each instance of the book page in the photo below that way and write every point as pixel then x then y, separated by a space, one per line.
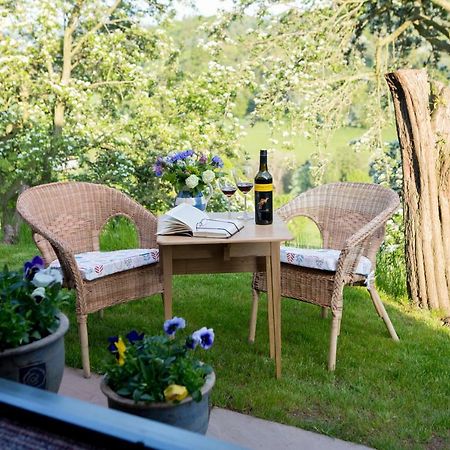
pixel 181 219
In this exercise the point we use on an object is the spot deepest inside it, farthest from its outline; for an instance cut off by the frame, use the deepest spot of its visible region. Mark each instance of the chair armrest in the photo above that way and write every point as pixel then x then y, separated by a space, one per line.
pixel 65 255
pixel 355 244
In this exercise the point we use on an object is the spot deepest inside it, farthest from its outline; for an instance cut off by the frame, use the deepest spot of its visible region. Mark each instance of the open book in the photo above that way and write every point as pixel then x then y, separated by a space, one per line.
pixel 187 220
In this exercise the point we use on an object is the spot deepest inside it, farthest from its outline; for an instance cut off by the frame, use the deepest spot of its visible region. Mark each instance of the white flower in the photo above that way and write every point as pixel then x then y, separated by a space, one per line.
pixel 192 181
pixel 45 277
pixel 38 293
pixel 208 176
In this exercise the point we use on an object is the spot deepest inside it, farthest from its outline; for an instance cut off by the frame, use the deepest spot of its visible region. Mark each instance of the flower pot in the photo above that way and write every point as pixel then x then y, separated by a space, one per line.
pixel 199 201
pixel 186 414
pixel 39 364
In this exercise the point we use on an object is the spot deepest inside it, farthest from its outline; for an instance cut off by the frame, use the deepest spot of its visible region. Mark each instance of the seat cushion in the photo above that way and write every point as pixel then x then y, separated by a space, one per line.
pixel 322 259
pixel 93 265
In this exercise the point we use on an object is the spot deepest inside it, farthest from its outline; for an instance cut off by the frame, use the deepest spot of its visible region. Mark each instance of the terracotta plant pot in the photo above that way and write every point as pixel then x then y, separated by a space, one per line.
pixel 187 414
pixel 39 364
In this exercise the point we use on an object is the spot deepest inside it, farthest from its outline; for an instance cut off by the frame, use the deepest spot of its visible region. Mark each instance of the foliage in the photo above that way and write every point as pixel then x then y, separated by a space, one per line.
pixel 159 368
pixel 188 171
pixel 385 169
pixel 91 91
pixel 391 266
pixel 29 302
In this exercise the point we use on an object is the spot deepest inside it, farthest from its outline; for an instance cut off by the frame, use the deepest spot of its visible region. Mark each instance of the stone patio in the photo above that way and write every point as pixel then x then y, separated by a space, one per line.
pixel 240 429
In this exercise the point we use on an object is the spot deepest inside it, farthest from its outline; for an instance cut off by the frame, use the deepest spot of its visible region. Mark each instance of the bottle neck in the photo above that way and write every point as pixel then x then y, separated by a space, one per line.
pixel 263 163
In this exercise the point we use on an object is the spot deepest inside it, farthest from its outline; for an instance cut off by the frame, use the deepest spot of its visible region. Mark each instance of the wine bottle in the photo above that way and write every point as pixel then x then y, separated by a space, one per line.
pixel 263 192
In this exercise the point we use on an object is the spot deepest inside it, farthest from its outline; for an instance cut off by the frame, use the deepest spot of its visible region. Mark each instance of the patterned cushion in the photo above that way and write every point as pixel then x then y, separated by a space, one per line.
pixel 323 259
pixel 95 265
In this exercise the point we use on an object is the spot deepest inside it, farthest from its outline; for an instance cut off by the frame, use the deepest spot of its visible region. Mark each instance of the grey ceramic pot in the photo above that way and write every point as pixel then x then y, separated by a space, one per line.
pixel 39 364
pixel 188 414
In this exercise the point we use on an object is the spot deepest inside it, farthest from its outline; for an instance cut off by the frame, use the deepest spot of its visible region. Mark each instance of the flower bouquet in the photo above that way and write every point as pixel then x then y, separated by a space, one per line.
pixel 188 170
pixel 160 378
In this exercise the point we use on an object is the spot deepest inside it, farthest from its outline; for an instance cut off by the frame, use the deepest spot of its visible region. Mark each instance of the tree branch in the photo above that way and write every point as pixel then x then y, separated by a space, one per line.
pixel 110 83
pixel 97 27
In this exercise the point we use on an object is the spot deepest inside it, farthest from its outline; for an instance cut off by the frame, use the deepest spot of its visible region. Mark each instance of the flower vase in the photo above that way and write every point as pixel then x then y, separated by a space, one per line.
pixel 198 200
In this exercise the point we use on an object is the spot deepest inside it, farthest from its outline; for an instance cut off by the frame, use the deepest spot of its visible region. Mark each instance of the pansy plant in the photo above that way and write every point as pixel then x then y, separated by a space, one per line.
pixel 29 302
pixel 159 368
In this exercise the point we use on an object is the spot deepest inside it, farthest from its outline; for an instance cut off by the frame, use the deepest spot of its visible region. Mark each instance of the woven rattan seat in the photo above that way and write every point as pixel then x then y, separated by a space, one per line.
pixel 351 218
pixel 67 219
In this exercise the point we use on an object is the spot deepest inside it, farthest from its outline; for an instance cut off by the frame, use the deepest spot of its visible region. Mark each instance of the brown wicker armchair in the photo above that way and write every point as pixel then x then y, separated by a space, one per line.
pixel 351 218
pixel 66 219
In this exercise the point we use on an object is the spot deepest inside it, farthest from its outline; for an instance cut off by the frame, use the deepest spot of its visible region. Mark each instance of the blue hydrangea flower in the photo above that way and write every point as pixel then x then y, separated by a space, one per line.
pixel 31 267
pixel 217 161
pixel 133 336
pixel 172 325
pixel 204 337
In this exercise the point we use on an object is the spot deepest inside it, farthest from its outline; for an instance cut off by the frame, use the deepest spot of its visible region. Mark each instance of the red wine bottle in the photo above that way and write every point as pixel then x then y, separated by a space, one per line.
pixel 263 192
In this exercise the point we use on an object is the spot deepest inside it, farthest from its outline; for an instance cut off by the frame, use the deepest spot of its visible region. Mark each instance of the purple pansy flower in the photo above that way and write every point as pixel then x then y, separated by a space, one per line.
pixel 203 159
pixel 217 161
pixel 191 343
pixel 157 168
pixel 203 337
pixel 31 267
pixel 133 336
pixel 172 325
pixel 112 341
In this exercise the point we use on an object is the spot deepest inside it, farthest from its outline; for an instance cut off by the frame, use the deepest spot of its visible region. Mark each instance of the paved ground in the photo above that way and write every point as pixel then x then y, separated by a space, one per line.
pixel 246 431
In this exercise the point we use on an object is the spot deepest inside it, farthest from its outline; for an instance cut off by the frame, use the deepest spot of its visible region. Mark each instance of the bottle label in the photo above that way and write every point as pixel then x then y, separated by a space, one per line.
pixel 264 187
pixel 263 207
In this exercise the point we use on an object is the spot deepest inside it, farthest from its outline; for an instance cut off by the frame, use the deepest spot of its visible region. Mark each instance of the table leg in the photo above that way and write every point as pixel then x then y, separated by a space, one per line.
pixel 270 307
pixel 276 300
pixel 166 256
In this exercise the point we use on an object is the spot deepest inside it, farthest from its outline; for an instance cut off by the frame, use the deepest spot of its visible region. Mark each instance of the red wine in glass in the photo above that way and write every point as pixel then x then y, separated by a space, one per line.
pixel 228 190
pixel 244 187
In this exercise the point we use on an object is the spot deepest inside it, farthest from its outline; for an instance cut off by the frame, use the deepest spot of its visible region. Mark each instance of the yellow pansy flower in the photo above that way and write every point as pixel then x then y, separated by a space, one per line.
pixel 175 392
pixel 121 349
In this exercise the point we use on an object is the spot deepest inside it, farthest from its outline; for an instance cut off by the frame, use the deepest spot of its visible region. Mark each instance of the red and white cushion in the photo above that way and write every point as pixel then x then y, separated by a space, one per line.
pixel 93 265
pixel 322 259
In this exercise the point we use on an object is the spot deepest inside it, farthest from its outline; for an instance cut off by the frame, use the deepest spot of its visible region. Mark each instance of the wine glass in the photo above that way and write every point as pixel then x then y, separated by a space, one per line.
pixel 228 189
pixel 243 177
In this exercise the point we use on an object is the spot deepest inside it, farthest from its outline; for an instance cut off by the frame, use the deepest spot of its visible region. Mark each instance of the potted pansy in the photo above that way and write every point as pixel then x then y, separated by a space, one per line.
pixel 190 174
pixel 32 328
pixel 160 377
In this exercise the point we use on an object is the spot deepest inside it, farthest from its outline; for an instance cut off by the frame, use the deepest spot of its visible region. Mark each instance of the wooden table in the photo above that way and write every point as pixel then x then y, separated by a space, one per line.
pixel 256 248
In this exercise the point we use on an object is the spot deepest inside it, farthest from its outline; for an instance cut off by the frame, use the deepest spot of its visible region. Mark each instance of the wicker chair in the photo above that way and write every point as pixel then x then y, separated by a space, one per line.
pixel 351 218
pixel 66 219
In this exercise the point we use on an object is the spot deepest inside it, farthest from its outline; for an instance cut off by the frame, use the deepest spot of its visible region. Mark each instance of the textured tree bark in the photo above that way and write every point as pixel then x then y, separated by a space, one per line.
pixel 423 132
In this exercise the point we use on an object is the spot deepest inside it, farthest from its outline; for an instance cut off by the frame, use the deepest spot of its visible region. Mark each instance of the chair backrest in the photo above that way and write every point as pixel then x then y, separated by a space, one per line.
pixel 341 209
pixel 75 212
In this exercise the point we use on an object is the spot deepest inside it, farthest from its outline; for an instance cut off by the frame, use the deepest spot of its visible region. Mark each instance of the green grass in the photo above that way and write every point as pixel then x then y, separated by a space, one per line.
pixel 383 394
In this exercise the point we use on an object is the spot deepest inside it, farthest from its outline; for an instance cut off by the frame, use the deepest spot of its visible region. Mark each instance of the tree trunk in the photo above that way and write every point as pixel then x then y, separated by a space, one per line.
pixel 424 140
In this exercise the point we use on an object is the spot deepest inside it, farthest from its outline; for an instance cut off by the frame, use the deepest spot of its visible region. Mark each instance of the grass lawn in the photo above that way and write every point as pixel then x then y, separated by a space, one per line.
pixel 383 394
